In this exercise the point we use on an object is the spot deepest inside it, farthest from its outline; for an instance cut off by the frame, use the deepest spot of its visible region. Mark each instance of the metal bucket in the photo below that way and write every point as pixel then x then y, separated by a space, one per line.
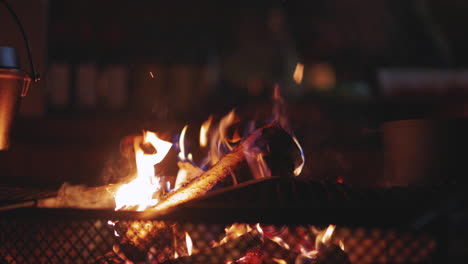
pixel 425 152
pixel 14 84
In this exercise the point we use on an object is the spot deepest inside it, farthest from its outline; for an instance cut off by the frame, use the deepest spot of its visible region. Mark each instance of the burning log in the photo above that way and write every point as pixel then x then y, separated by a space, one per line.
pixel 191 172
pixel 232 250
pixel 257 141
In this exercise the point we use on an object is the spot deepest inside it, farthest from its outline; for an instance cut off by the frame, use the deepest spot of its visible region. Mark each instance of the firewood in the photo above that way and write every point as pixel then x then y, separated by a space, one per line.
pixel 220 171
pixel 230 251
pixel 191 170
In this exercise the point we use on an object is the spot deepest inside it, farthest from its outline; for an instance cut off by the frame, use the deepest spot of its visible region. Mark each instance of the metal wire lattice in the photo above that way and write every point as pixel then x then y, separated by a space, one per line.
pixel 96 241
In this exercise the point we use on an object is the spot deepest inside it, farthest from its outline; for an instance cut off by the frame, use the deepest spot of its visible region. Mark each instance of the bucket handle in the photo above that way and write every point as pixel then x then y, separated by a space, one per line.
pixel 34 76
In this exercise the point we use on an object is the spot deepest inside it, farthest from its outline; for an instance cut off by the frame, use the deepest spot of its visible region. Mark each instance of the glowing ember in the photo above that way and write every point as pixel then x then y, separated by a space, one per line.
pixel 279 261
pixel 152 75
pixel 307 253
pixel 298 73
pixel 205 127
pixel 341 244
pixel 281 242
pixel 234 231
pixel 139 192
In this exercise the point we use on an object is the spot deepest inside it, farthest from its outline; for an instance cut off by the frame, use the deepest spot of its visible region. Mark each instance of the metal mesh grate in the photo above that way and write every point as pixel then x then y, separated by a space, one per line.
pixel 367 246
pixel 31 241
pixel 95 241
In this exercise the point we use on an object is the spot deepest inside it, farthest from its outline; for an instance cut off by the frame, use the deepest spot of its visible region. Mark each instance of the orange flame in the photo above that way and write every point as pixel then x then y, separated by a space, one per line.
pixel 298 73
pixel 328 233
pixel 324 236
pixel 139 192
pixel 189 243
pixel 257 164
pixel 236 137
pixel 341 244
pixel 182 176
pixel 281 242
pixel 279 261
pixel 182 144
pixel 306 253
pixel 205 127
pixel 220 137
pixel 260 230
pixel 234 231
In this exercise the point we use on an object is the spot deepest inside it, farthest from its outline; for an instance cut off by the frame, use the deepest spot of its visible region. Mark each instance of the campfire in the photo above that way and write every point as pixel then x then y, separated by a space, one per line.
pixel 258 152
pixel 240 202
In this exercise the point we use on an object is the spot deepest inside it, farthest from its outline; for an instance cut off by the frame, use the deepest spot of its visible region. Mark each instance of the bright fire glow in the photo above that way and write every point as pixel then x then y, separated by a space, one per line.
pixel 139 192
pixel 306 253
pixel 182 144
pixel 281 242
pixel 220 138
pixel 341 244
pixel 151 74
pixel 224 124
pixel 189 243
pixel 279 261
pixel 298 73
pixel 182 175
pixel 299 168
pixel 205 127
pixel 328 233
pixel 260 230
pixel 234 231
pixel 323 237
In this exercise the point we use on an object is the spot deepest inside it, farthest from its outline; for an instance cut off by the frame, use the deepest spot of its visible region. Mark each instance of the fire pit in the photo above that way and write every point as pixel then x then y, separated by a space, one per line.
pixel 245 203
pixel 293 220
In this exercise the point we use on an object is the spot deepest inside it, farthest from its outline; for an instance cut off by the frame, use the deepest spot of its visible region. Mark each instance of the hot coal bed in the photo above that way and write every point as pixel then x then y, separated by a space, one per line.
pixel 375 225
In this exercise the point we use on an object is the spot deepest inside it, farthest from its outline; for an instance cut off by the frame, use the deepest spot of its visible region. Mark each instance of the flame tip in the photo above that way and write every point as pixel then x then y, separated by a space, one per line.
pixel 139 192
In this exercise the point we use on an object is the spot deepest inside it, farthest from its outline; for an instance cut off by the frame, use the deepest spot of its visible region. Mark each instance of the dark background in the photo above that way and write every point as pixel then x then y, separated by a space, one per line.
pixel 211 56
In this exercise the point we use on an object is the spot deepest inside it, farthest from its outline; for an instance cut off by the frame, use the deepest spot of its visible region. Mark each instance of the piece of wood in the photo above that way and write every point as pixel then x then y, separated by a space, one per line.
pixel 220 171
pixel 191 172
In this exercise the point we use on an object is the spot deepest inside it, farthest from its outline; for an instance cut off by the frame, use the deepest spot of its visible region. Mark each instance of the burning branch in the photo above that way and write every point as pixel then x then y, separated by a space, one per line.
pixel 187 172
pixel 222 169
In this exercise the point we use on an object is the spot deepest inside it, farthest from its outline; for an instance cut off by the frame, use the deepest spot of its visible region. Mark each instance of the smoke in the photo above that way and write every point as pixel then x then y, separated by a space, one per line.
pixel 81 196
